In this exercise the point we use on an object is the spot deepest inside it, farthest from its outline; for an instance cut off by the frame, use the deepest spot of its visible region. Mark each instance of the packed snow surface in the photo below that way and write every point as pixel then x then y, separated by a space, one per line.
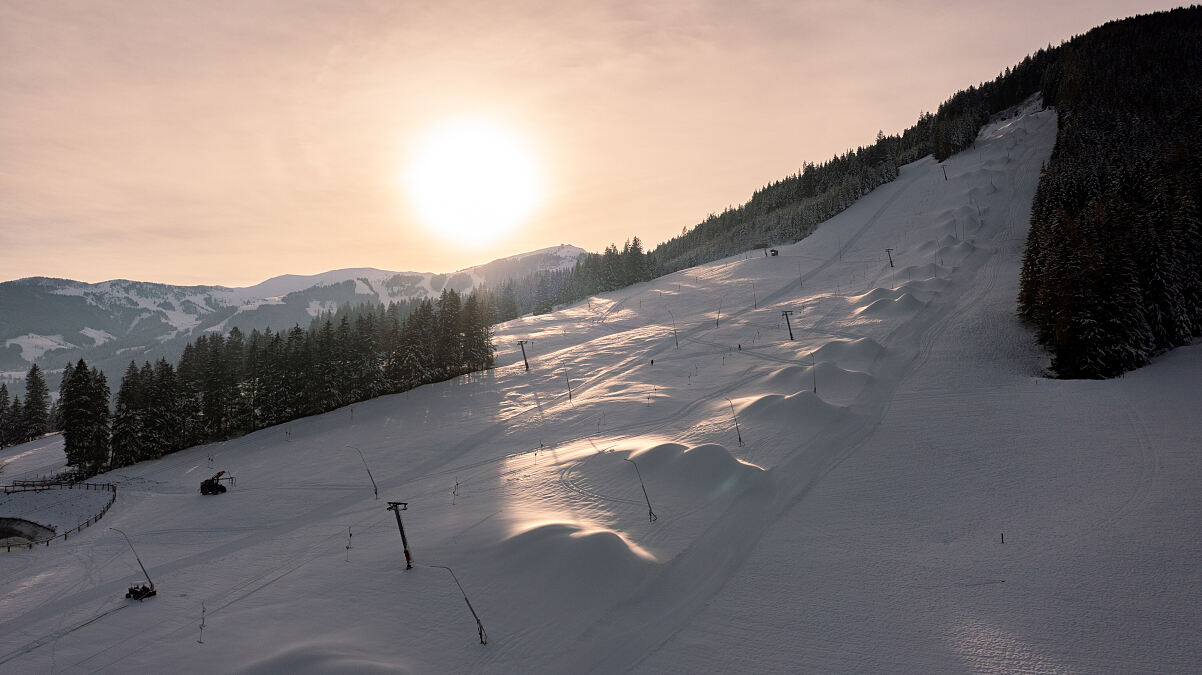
pixel 832 503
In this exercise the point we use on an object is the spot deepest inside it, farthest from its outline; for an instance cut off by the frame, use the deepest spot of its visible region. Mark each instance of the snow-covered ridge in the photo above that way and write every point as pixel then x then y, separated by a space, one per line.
pixel 109 323
pixel 194 300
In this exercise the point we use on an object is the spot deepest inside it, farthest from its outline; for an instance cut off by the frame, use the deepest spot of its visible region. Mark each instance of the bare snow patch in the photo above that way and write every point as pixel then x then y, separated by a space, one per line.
pixel 33 346
pixel 98 337
pixel 316 307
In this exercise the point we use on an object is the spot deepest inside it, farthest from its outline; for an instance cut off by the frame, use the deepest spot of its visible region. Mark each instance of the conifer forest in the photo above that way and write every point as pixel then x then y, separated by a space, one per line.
pixel 227 385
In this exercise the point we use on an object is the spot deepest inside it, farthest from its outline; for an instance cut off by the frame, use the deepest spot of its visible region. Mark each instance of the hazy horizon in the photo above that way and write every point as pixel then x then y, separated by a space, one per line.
pixel 225 144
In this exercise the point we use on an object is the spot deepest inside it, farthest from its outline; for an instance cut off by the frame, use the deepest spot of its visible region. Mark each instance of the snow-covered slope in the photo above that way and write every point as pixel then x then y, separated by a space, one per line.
pixel 831 503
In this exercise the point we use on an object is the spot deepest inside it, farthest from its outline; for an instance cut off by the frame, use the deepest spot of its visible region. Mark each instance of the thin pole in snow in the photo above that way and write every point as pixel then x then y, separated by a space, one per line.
pixel 522 344
pixel 674 335
pixel 814 370
pixel 479 625
pixel 396 508
pixel 374 489
pixel 889 252
pixel 650 513
pixel 785 313
pixel 755 303
pixel 202 623
pixel 736 416
pixel 131 547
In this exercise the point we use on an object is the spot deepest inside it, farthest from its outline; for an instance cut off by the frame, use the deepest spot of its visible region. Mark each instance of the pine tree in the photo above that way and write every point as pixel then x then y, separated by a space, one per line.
pixel 367 374
pixel 238 414
pixel 417 346
pixel 6 433
pixel 300 381
pixel 189 375
pixel 16 421
pixel 392 347
pixel 216 389
pixel 478 352
pixel 37 404
pixel 635 262
pixel 449 354
pixel 101 424
pixel 85 402
pixel 129 419
pixel 507 304
pixel 164 425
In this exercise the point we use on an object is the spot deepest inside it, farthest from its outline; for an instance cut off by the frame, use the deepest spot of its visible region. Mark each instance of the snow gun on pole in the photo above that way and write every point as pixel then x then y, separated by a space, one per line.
pixel 142 592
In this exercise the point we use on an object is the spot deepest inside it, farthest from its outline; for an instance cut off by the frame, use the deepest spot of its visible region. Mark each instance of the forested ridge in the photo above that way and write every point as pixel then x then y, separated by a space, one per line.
pixel 226 385
pixel 787 210
pixel 1112 272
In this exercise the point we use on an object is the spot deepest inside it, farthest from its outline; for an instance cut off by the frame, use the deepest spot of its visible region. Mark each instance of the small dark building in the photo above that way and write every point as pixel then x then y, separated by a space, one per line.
pixel 774 252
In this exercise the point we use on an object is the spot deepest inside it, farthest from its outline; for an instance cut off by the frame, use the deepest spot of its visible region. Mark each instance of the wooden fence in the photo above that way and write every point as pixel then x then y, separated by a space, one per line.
pixel 39 485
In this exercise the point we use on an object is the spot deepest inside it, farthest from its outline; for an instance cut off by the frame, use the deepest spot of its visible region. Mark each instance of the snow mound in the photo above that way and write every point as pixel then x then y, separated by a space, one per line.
pixel 838 385
pixel 562 562
pixel 904 304
pixel 955 251
pixel 927 285
pixel 704 467
pixel 320 658
pixel 872 296
pixel 850 354
pixel 804 409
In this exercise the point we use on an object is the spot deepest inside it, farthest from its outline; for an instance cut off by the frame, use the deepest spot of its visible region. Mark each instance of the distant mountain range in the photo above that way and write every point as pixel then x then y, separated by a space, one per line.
pixel 55 321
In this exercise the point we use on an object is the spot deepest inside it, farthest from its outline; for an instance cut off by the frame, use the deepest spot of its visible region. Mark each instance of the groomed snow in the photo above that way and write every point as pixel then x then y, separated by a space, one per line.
pixel 857 526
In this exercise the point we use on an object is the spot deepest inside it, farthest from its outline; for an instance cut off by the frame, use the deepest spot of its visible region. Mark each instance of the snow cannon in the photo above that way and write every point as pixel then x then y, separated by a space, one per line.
pixel 138 592
pixel 213 486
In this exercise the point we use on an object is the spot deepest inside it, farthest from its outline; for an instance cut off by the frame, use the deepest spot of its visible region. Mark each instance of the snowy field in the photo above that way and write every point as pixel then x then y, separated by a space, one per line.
pixel 853 521
pixel 61 509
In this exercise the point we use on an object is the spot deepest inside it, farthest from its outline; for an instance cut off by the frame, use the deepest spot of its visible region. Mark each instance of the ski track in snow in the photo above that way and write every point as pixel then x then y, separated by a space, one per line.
pixel 857 528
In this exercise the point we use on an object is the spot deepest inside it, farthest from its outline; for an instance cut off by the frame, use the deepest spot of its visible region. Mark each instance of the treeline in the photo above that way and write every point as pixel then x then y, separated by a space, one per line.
pixel 23 421
pixel 790 209
pixel 1112 273
pixel 593 273
pixel 228 385
pixel 960 118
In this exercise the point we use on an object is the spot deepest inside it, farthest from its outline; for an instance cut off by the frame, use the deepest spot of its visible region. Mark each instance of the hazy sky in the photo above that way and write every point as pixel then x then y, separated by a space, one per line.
pixel 228 142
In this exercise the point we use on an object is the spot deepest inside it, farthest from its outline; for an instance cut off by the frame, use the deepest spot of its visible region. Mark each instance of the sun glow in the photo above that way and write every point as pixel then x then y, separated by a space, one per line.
pixel 472 181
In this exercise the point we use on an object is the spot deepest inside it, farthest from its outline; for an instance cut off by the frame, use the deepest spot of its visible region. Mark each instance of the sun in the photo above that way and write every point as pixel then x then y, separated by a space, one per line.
pixel 472 180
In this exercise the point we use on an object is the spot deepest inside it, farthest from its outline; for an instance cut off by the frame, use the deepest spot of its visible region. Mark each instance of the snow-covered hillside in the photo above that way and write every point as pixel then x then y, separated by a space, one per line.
pixel 58 321
pixel 834 502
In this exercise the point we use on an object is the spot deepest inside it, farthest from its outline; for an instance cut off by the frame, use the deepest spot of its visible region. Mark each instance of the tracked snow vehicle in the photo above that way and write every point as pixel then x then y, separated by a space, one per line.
pixel 213 486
